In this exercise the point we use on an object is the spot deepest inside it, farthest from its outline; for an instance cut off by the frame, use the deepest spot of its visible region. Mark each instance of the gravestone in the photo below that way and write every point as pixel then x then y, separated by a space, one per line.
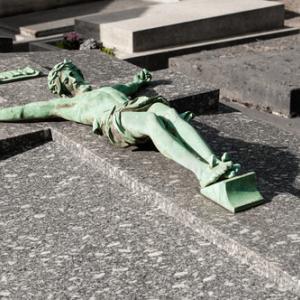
pixel 264 76
pixel 69 223
pixel 60 20
pixel 265 239
pixel 185 22
pixel 148 36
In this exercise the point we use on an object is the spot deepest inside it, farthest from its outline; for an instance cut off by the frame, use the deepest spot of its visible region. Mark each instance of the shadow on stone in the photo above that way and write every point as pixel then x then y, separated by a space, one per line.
pixel 160 82
pixel 276 168
pixel 295 103
pixel 225 109
pixel 289 14
pixel 149 90
pixel 22 143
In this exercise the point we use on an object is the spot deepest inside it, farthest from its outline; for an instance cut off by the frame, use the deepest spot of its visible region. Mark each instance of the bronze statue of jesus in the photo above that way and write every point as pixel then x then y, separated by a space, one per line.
pixel 125 121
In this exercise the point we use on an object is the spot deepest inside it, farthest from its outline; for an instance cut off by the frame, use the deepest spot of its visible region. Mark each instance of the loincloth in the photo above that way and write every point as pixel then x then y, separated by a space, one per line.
pixel 111 123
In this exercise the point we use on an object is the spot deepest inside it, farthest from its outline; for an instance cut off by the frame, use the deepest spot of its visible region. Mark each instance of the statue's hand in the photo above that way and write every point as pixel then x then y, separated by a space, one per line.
pixel 142 77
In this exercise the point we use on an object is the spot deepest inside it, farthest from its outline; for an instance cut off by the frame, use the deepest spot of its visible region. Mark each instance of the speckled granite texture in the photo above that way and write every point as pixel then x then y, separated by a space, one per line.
pixel 265 238
pixel 262 46
pixel 68 232
pixel 101 70
pixel 262 75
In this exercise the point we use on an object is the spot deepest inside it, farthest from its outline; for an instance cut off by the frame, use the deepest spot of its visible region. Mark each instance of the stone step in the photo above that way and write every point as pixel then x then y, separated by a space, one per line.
pixel 104 236
pixel 267 80
pixel 16 7
pixel 89 26
pixel 190 21
pixel 61 19
pixel 159 58
pixel 265 238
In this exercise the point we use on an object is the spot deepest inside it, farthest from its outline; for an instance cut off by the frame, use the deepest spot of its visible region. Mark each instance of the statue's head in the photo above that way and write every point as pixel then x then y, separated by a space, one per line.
pixel 65 79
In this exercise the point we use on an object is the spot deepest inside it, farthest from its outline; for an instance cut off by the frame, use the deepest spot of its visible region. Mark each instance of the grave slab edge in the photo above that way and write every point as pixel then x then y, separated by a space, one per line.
pixel 244 255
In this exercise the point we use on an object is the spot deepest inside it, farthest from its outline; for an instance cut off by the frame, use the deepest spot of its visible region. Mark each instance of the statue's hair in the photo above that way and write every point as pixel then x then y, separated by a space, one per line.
pixel 54 82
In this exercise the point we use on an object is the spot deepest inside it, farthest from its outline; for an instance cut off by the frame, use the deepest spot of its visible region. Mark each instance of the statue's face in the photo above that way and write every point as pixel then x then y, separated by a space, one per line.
pixel 71 80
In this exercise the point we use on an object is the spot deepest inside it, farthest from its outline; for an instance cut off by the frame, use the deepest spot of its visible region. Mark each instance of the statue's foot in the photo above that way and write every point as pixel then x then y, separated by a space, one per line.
pixel 232 172
pixel 212 175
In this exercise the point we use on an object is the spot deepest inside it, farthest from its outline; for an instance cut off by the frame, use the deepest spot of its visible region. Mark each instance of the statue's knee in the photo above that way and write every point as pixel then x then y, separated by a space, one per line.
pixel 151 120
pixel 172 115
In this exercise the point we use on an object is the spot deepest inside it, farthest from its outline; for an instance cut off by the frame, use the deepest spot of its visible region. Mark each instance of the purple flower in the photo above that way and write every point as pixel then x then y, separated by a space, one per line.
pixel 72 36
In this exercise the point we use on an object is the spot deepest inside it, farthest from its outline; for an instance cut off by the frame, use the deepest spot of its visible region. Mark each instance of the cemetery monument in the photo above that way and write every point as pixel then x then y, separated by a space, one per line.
pixel 126 121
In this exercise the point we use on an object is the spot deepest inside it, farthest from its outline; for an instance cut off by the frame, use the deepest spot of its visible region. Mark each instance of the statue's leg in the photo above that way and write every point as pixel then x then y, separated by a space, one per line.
pixel 186 132
pixel 141 124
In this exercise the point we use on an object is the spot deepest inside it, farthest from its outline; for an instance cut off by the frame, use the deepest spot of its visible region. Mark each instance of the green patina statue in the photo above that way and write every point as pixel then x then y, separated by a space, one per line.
pixel 20 74
pixel 125 121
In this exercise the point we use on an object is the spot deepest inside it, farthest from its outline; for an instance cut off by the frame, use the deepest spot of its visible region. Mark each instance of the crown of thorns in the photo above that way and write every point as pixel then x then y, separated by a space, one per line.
pixel 54 82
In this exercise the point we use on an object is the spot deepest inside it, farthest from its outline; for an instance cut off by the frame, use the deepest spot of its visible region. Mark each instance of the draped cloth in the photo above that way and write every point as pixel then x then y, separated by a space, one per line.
pixel 111 122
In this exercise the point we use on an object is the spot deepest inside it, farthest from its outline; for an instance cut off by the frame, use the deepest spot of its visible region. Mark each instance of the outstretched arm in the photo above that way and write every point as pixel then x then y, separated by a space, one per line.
pixel 139 80
pixel 31 111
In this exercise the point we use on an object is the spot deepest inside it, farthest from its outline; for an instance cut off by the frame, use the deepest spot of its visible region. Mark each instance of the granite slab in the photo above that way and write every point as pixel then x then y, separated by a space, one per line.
pixel 266 238
pixel 53 21
pixel 263 75
pixel 16 7
pixel 102 70
pixel 284 43
pixel 70 232
pixel 268 81
pixel 159 58
pixel 190 21
pixel 16 139
pixel 90 26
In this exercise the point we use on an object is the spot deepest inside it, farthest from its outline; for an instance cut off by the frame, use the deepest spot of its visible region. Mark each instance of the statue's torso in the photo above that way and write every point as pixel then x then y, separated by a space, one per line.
pixel 97 103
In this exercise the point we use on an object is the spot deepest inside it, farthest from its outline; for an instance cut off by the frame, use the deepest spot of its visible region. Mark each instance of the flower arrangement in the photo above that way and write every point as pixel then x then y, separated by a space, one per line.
pixel 71 41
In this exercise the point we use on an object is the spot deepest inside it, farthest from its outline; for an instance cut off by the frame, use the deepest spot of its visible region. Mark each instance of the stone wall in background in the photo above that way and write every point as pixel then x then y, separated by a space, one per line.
pixel 14 7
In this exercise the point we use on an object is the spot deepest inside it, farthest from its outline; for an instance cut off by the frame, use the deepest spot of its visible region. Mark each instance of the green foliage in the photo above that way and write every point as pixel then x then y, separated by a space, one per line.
pixel 60 44
pixel 108 51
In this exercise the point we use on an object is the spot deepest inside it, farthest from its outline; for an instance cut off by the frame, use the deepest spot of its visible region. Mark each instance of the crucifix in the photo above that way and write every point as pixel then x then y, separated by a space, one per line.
pixel 126 120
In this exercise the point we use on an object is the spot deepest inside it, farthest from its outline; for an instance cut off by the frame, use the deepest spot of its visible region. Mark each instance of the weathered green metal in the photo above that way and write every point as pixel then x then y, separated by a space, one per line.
pixel 235 194
pixel 125 120
pixel 19 74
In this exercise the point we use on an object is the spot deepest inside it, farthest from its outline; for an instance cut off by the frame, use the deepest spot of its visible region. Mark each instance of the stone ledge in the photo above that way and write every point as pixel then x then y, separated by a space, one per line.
pixel 252 236
pixel 22 142
pixel 261 75
pixel 16 7
pixel 163 183
pixel 186 22
pixel 118 238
